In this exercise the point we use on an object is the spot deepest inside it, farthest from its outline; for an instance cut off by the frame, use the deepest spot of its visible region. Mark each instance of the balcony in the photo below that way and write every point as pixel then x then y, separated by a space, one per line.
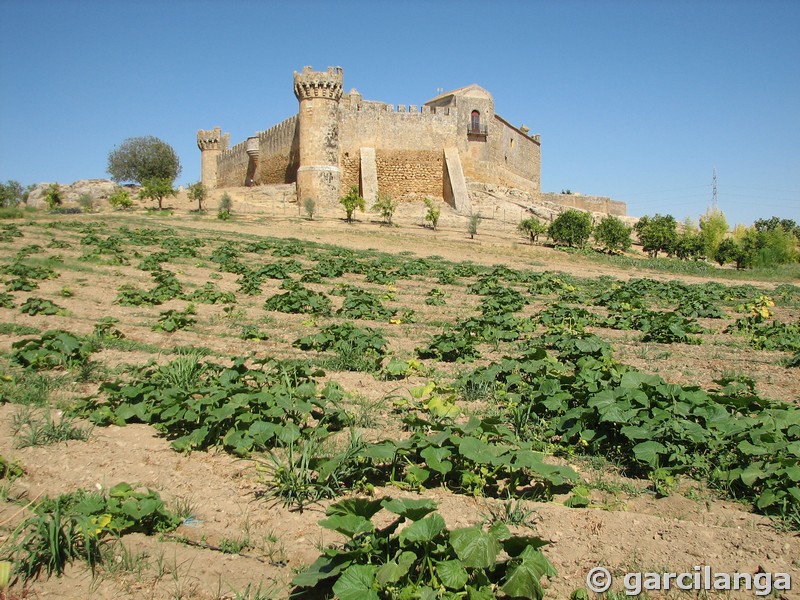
pixel 477 133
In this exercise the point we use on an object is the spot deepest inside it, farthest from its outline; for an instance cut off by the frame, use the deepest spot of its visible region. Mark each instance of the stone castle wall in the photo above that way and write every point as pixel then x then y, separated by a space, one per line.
pixel 601 204
pixel 232 166
pixel 279 153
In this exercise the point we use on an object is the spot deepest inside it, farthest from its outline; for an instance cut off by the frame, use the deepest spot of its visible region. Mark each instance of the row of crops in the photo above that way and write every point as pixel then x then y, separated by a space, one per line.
pixel 498 400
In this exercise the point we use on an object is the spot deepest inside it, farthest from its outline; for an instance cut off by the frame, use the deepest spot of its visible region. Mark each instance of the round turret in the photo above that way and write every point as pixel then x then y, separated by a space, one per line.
pixel 318 175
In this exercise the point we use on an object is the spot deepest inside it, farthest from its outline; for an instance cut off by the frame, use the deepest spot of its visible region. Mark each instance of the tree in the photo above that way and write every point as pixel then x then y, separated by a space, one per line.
pixel 310 206
pixel 728 251
pixel 157 189
pixel 613 234
pixel 572 227
pixel 385 207
pixel 120 199
pixel 197 191
pixel 713 227
pixel 225 207
pixel 657 234
pixel 532 227
pixel 141 158
pixel 433 214
pixel 472 226
pixel 351 201
pixel 10 193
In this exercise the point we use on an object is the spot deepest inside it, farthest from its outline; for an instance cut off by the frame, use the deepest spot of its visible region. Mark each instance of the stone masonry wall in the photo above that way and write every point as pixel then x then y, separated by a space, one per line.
pixel 279 152
pixel 593 203
pixel 232 166
pixel 410 174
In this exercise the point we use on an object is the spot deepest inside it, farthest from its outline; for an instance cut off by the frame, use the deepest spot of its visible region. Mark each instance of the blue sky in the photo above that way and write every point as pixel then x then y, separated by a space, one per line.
pixel 637 100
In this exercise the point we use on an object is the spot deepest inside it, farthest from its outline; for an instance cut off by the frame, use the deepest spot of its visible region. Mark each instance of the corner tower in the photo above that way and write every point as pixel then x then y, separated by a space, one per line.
pixel 211 143
pixel 318 93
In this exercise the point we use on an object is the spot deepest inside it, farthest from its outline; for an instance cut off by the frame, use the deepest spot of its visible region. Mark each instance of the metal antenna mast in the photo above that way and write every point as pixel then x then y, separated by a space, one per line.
pixel 714 190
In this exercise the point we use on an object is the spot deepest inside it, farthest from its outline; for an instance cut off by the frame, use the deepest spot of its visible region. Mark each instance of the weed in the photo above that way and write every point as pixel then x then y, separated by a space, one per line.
pixel 33 428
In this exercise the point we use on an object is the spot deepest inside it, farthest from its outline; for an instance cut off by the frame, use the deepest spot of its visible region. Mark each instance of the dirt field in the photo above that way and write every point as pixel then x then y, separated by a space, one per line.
pixel 627 527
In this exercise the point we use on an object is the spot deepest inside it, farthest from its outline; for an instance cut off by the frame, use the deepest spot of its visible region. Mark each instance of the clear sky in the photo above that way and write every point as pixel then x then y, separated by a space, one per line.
pixel 637 100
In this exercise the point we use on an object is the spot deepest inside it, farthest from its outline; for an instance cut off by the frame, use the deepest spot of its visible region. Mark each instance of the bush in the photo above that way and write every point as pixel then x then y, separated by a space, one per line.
pixel 310 206
pixel 141 158
pixel 433 214
pixel 472 225
pixel 351 201
pixel 572 227
pixel 224 209
pixel 532 227
pixel 385 207
pixel 53 196
pixel 85 202
pixel 120 199
pixel 613 234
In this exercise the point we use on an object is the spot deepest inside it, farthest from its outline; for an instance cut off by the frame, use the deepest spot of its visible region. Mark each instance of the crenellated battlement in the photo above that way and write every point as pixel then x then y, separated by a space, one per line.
pixel 356 104
pixel 212 139
pixel 319 84
pixel 278 137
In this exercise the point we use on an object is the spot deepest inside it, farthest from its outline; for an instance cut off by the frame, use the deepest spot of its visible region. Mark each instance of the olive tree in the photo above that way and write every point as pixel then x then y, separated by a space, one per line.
pixel 613 234
pixel 141 158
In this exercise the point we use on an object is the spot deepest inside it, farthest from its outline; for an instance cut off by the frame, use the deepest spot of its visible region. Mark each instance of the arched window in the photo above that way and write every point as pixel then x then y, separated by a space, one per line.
pixel 475 122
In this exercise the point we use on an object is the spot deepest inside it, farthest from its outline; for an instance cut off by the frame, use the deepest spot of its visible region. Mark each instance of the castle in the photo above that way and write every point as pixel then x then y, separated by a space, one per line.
pixel 339 140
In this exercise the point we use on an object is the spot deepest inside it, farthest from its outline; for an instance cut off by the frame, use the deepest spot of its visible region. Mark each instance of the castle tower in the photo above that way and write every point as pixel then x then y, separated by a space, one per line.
pixel 211 143
pixel 318 93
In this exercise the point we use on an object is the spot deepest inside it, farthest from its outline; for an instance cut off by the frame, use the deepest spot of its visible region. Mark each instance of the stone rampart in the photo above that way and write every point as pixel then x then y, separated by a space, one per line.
pixel 279 153
pixel 601 204
pixel 232 166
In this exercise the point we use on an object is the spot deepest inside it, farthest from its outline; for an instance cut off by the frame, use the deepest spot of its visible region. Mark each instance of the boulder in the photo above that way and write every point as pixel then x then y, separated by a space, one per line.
pixel 98 190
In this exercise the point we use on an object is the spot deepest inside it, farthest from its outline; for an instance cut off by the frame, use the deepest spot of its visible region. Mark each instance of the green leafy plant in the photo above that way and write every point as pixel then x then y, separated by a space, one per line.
pixel 172 320
pixel 39 306
pixel 52 350
pixel 53 197
pixel 385 206
pixel 299 300
pixel 157 189
pixel 352 201
pixel 433 213
pixel 612 234
pixel 424 559
pixel 356 348
pixel 120 199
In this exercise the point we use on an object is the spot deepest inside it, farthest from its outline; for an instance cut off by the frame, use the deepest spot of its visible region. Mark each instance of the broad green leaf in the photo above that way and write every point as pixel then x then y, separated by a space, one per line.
pixel 394 570
pixel 435 459
pixel 452 574
pixel 410 508
pixel 356 583
pixel 361 507
pixel 424 530
pixel 475 548
pixel 349 525
pixel 648 452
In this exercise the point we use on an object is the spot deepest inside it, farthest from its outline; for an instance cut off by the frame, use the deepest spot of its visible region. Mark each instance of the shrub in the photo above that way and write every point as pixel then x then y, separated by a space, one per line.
pixel 385 206
pixel 532 227
pixel 86 202
pixel 310 206
pixel 351 201
pixel 433 214
pixel 472 226
pixel 53 196
pixel 613 234
pixel 120 199
pixel 224 208
pixel 572 227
